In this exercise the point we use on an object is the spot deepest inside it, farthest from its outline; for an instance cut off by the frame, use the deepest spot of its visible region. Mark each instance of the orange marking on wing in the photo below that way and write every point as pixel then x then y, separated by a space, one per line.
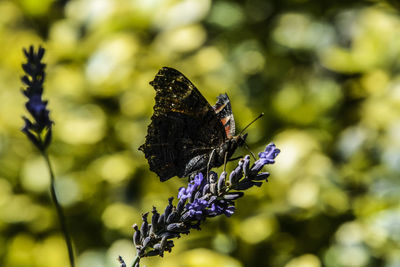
pixel 224 121
pixel 228 131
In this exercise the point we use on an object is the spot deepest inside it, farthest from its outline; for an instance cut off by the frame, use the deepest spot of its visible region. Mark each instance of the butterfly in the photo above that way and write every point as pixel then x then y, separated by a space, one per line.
pixel 186 134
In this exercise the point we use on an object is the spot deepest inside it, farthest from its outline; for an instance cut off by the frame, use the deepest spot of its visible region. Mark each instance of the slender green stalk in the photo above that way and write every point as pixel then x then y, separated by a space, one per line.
pixel 137 259
pixel 59 210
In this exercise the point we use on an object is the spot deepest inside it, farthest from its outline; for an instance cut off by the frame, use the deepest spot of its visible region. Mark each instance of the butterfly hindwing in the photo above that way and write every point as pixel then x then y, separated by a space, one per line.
pixel 184 128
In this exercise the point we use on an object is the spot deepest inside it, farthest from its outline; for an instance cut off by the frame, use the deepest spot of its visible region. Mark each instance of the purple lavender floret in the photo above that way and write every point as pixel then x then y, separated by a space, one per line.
pixel 204 197
pixel 266 157
pixel 39 129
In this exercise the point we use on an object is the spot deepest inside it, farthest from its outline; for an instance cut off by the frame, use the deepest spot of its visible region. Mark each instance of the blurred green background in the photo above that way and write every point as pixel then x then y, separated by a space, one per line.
pixel 326 74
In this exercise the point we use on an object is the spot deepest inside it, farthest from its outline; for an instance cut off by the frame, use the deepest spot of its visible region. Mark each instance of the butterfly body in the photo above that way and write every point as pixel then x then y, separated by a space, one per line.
pixel 186 130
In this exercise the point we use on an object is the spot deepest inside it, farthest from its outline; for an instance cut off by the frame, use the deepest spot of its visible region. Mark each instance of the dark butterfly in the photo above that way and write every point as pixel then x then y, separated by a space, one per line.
pixel 187 134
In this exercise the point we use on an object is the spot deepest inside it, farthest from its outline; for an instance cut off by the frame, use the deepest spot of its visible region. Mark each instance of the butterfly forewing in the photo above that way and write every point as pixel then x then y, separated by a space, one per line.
pixel 184 128
pixel 223 110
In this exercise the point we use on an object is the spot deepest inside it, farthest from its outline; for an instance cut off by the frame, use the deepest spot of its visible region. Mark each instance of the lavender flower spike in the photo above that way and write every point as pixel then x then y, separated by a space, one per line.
pixel 39 130
pixel 202 198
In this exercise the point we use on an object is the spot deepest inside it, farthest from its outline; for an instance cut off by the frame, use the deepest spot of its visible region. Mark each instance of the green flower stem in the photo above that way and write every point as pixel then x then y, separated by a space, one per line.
pixel 137 259
pixel 59 210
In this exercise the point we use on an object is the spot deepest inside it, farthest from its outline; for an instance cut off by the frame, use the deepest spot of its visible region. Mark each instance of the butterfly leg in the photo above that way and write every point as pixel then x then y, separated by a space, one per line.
pixel 209 162
pixel 225 160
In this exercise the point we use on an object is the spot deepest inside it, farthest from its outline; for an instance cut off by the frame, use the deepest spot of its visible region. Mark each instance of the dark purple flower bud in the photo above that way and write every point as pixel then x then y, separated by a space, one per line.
pixel 154 220
pixel 235 176
pixel 180 206
pixel 169 235
pixel 136 235
pixel 221 181
pixel 173 217
pixel 246 184
pixel 161 221
pixel 163 243
pixel 182 193
pixel 229 211
pixel 257 166
pixel 168 209
pixel 206 189
pixel 144 229
pixel 246 165
pixel 211 200
pixel 169 246
pixel 157 248
pixel 261 176
pixel 198 195
pixel 233 195
pixel 177 227
pixel 186 216
pixel 146 242
pixel 121 261
pixel 198 180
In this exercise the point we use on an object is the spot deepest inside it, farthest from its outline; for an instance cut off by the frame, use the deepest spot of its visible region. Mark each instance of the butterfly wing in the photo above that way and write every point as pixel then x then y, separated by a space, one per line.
pixel 224 113
pixel 183 127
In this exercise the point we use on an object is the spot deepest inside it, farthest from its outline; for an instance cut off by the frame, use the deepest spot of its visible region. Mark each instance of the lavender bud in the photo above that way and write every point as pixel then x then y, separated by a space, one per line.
pixel 261 176
pixel 257 166
pixel 185 217
pixel 169 235
pixel 177 227
pixel 169 246
pixel 136 235
pixel 161 221
pixel 192 198
pixel 212 199
pixel 180 205
pixel 221 181
pixel 234 177
pixel 246 165
pixel 197 195
pixel 152 253
pixel 145 225
pixel 168 209
pixel 163 243
pixel 146 242
pixel 233 195
pixel 244 185
pixel 157 246
pixel 121 260
pixel 206 189
pixel 154 220
pixel 173 217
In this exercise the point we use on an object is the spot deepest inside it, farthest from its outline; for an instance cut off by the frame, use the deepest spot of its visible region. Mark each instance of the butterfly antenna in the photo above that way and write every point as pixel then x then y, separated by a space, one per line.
pixel 259 116
pixel 248 149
